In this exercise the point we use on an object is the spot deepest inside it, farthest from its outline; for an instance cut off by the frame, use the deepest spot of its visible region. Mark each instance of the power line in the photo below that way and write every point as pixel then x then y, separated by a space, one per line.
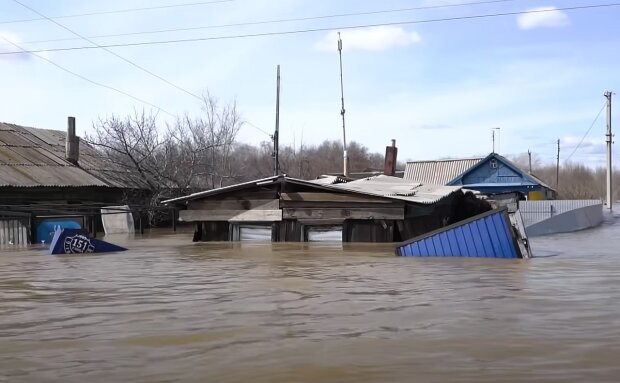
pixel 86 78
pixel 257 128
pixel 299 31
pixel 120 11
pixel 110 51
pixel 276 21
pixel 587 132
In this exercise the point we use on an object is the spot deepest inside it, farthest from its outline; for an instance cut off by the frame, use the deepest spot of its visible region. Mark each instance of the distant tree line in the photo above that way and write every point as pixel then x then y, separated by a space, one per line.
pixel 576 180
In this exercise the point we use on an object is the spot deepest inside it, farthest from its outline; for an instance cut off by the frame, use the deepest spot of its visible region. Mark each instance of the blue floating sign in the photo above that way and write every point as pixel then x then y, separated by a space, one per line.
pixel 488 235
pixel 77 241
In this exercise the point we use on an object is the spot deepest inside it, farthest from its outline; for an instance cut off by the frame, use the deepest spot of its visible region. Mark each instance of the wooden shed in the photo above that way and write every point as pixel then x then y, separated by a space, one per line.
pixel 284 209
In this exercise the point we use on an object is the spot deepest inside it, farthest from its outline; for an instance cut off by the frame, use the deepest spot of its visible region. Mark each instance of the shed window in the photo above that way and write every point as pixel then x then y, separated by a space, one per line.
pixel 324 234
pixel 255 233
pixel 493 164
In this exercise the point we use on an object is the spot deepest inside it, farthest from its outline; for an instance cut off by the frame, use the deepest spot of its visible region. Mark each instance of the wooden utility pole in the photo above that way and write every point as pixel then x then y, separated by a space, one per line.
pixel 609 141
pixel 529 156
pixel 557 168
pixel 276 138
pixel 342 111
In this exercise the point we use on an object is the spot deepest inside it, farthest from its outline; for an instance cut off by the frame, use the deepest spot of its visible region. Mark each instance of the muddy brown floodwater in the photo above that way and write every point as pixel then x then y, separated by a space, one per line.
pixel 172 311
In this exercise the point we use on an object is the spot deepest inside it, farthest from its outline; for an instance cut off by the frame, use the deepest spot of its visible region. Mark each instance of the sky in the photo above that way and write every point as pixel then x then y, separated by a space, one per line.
pixel 430 74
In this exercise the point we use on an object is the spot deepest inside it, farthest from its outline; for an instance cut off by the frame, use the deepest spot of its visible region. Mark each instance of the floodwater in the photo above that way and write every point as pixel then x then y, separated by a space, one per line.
pixel 172 311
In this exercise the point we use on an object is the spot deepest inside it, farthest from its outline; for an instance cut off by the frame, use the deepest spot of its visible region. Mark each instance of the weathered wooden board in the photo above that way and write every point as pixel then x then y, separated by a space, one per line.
pixel 249 194
pixel 331 197
pixel 338 205
pixel 231 215
pixel 376 213
pixel 234 204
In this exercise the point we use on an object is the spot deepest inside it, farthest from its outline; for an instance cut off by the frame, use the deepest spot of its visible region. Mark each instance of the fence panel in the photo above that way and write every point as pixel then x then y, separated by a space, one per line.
pixel 537 211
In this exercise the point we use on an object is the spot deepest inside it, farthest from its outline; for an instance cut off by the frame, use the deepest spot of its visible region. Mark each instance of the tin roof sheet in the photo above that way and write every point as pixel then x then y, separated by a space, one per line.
pixel 36 157
pixel 439 172
pixel 379 186
pixel 400 189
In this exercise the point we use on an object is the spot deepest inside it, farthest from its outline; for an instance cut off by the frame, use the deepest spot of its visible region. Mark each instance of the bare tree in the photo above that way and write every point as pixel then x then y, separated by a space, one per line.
pixel 190 154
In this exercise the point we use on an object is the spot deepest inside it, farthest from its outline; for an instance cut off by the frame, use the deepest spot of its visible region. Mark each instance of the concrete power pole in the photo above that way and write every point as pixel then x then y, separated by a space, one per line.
pixel 276 135
pixel 609 141
pixel 342 111
pixel 557 168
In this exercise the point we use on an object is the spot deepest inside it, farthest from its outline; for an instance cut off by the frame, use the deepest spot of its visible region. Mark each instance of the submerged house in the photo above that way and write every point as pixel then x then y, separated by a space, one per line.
pixel 46 174
pixel 284 209
pixel 491 175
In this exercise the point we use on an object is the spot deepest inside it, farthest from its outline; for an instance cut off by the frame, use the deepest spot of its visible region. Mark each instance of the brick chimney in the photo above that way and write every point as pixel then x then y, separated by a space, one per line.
pixel 391 152
pixel 72 144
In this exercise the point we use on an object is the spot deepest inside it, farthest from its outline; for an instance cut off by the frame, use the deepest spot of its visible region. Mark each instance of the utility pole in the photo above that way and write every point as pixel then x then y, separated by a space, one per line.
pixel 276 138
pixel 529 155
pixel 609 140
pixel 557 168
pixel 342 111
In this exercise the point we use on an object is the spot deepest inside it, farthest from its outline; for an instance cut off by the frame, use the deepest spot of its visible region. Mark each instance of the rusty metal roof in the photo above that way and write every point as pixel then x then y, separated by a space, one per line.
pixel 439 172
pixel 32 157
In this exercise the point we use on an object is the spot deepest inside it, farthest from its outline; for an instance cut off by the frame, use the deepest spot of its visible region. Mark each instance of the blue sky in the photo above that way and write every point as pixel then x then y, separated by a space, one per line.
pixel 437 88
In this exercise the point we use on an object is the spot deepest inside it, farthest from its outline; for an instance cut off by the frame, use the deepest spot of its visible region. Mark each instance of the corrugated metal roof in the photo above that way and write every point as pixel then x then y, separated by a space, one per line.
pixel 400 189
pixel 379 186
pixel 439 172
pixel 30 176
pixel 328 180
pixel 36 157
pixel 488 235
pixel 231 188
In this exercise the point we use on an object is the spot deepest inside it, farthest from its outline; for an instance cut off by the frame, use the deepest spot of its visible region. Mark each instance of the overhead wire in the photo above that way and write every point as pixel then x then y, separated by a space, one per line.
pixel 257 128
pixel 587 132
pixel 345 27
pixel 120 11
pixel 88 79
pixel 277 21
pixel 110 51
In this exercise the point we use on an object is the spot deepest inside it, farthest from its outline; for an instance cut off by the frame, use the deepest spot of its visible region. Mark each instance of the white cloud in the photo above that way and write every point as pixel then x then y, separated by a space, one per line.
pixel 543 17
pixel 370 39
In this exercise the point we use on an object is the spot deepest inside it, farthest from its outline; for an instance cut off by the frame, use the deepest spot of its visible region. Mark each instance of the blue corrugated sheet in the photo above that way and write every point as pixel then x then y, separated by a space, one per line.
pixel 487 235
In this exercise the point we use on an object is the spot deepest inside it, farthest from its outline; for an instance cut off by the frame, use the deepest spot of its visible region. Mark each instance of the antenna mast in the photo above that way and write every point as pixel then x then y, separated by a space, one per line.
pixel 342 112
pixel 276 135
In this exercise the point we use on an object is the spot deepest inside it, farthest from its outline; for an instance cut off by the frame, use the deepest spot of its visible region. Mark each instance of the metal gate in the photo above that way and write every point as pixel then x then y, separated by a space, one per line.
pixel 14 229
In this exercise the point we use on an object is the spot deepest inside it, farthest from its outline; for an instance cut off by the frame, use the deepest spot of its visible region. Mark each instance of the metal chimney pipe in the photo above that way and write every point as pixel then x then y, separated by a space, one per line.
pixel 72 143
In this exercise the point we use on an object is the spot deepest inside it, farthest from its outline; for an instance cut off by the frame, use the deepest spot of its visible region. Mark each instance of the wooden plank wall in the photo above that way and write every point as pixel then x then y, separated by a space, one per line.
pixel 333 206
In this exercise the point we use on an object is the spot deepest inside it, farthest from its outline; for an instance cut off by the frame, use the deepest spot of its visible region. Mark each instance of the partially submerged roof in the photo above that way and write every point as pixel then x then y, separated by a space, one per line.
pixel 380 186
pixel 398 188
pixel 32 157
pixel 439 172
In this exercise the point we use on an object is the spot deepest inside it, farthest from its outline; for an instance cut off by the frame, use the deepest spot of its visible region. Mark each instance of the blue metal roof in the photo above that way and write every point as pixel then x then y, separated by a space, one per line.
pixel 486 235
